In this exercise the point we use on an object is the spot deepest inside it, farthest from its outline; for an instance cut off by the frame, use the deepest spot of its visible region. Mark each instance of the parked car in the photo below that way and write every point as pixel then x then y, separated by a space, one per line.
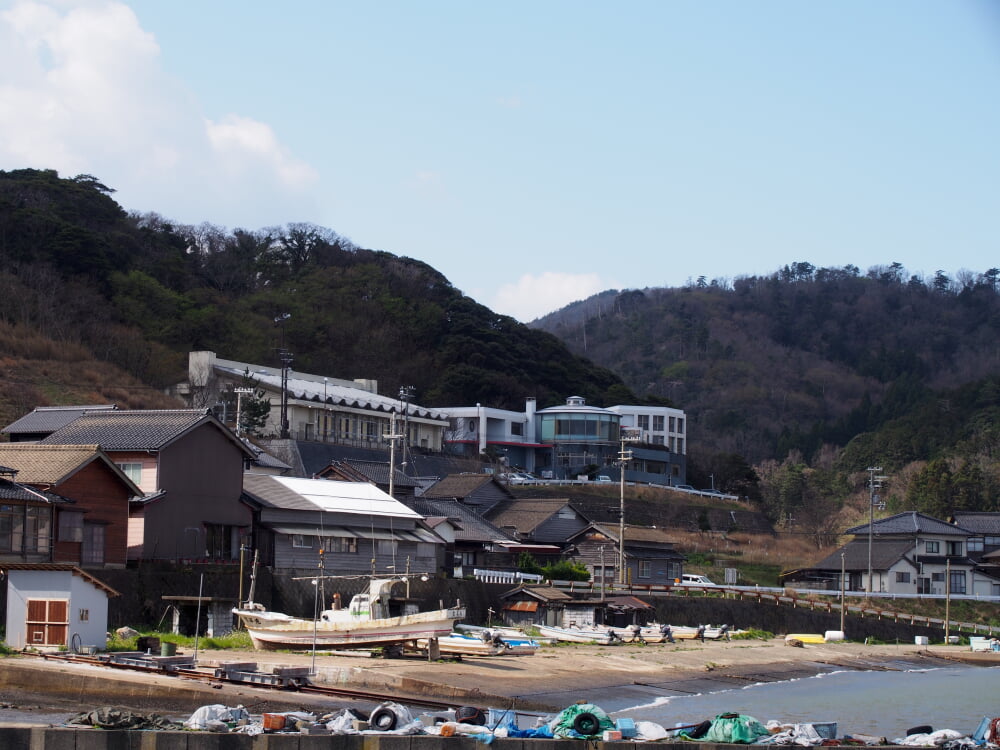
pixel 684 488
pixel 603 479
pixel 693 579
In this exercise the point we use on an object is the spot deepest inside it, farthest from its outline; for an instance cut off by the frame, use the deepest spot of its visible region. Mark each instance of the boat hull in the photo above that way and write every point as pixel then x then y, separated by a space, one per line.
pixel 274 630
pixel 603 637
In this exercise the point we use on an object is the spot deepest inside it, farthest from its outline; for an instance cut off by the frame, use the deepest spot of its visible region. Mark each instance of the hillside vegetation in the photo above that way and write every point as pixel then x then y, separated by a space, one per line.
pixel 794 383
pixel 139 292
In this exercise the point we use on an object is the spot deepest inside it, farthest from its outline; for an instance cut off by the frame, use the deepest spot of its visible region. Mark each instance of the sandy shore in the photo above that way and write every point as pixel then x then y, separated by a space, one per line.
pixel 549 680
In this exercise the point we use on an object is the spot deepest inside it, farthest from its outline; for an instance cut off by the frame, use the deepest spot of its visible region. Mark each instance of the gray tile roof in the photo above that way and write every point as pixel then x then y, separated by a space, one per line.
pixel 12 491
pixel 474 528
pixel 130 430
pixel 885 553
pixel 978 523
pixel 909 523
pixel 526 515
pixel 48 419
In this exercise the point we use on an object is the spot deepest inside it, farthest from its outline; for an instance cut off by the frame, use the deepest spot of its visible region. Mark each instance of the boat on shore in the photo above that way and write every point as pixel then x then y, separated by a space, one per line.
pixel 601 636
pixel 364 623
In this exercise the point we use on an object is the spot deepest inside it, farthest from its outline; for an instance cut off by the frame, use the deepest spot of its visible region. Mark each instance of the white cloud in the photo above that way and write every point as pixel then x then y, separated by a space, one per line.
pixel 82 90
pixel 532 296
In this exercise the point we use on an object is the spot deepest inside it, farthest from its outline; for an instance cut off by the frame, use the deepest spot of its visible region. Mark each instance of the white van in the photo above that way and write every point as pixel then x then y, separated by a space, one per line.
pixel 692 579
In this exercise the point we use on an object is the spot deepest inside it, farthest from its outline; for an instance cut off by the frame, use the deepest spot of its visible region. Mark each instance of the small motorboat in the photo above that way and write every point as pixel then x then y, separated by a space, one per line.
pixel 601 636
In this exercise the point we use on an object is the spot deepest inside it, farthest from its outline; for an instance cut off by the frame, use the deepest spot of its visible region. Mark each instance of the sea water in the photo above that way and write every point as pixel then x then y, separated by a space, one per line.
pixel 883 704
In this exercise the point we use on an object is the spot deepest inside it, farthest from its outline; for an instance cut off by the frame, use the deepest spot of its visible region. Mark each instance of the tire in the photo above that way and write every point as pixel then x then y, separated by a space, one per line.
pixel 383 719
pixel 586 723
pixel 470 715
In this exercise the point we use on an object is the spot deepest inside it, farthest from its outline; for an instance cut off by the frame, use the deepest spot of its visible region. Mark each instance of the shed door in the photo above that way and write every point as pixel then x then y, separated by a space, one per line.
pixel 48 622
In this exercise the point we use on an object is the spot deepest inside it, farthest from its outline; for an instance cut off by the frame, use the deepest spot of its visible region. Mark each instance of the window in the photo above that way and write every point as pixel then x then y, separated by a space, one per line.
pixel 70 526
pixel 387 547
pixel 673 426
pixel 466 558
pixel 902 577
pixel 657 439
pixel 680 424
pixel 993 541
pixel 643 421
pixel 923 585
pixel 84 615
pixel 975 543
pixel 658 422
pixel 342 545
pixel 92 552
pixel 133 470
pixel 472 425
pixel 219 542
pixel 517 428
pixel 937 577
pixel 37 529
pixel 302 541
pixel 932 548
pixel 957 582
pixel 954 548
pixel 645 568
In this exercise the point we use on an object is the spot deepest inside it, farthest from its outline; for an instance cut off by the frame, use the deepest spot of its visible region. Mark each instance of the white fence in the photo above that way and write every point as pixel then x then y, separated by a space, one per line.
pixel 505 576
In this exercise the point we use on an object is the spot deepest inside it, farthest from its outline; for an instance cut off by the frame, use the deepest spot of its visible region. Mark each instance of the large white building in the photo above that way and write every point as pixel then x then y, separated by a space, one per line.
pixel 563 441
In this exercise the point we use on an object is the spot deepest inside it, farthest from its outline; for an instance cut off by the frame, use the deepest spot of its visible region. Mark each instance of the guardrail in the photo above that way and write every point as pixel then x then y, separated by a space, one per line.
pixel 793 598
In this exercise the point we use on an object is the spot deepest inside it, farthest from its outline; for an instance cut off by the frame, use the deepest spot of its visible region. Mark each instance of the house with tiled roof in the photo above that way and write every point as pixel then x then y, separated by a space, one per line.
pixel 92 528
pixel 189 467
pixel 479 491
pixel 27 520
pixel 650 555
pixel 906 553
pixel 42 421
pixel 376 472
pixel 543 520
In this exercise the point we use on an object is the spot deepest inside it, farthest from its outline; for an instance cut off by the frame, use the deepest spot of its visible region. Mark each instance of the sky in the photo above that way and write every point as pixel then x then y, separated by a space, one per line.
pixel 535 153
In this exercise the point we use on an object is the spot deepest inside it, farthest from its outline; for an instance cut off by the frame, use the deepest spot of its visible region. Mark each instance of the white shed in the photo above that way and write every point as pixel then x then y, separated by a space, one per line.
pixel 53 604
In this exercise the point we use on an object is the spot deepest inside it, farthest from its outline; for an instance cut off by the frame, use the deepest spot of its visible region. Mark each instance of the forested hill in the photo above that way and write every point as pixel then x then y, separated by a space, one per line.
pixel 767 365
pixel 140 291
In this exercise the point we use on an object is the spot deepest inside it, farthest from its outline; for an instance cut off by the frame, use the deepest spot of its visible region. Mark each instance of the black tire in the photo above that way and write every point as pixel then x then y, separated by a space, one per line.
pixel 586 723
pixel 383 719
pixel 470 715
pixel 920 729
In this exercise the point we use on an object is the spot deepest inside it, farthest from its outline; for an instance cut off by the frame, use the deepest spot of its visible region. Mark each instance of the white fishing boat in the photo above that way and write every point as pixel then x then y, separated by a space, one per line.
pixel 642 634
pixel 459 644
pixel 510 635
pixel 601 636
pixel 702 632
pixel 364 623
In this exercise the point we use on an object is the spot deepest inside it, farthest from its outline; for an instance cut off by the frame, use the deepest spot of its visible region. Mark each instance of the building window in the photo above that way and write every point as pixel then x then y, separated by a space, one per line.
pixel 937 577
pixel 517 428
pixel 657 423
pixel 645 568
pixel 84 615
pixel 673 425
pixel 957 582
pixel 387 547
pixel 133 470
pixel 902 577
pixel 466 558
pixel 302 541
pixel 975 543
pixel 219 541
pixel 658 440
pixel 643 421
pixel 923 585
pixel 954 548
pixel 472 425
pixel 92 552
pixel 993 541
pixel 344 545
pixel 932 548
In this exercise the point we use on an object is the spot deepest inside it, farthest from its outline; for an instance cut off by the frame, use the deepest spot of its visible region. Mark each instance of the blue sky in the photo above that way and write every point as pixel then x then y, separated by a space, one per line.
pixel 534 152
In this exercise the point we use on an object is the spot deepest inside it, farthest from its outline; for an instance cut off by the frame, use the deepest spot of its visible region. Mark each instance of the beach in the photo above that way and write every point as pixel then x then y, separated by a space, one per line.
pixel 554 677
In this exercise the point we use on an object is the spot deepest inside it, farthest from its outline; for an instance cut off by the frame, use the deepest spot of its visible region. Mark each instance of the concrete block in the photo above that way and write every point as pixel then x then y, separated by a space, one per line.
pixel 111 739
pixel 48 738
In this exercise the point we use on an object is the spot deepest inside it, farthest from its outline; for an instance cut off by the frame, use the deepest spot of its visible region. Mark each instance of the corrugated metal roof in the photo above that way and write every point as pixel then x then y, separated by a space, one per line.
pixel 296 493
pixel 522 607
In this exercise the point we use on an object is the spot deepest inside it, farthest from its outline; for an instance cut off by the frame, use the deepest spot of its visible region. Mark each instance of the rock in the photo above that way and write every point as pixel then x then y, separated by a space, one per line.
pixel 126 633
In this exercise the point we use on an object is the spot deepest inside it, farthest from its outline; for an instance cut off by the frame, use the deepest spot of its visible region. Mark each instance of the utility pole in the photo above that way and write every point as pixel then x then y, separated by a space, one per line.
pixel 874 483
pixel 405 394
pixel 392 437
pixel 239 407
pixel 286 359
pixel 623 458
